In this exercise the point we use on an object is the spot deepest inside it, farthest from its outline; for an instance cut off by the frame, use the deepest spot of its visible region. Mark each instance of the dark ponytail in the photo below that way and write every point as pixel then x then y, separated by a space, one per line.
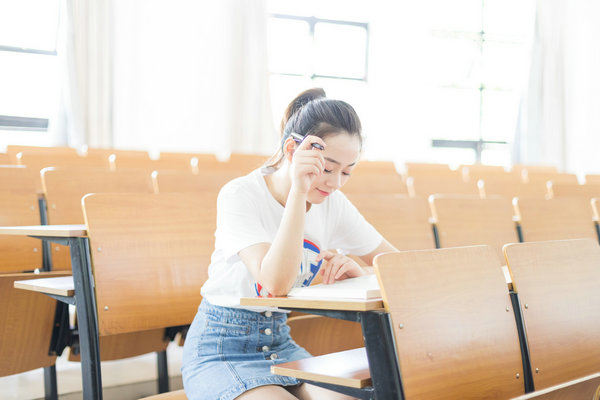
pixel 312 113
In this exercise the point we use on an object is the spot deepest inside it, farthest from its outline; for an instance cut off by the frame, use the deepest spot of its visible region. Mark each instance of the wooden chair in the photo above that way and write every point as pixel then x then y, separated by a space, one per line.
pixel 470 220
pixel 474 172
pixel 375 177
pixel 4 159
pixel 18 254
pixel 167 239
pixel 182 182
pixel 455 333
pixel 150 256
pixel 587 191
pixel 424 187
pixel 593 179
pixel 425 169
pixel 529 177
pixel 436 173
pixel 403 221
pixel 26 324
pixel 554 219
pixel 19 179
pixel 583 388
pixel 510 186
pixel 43 160
pixel 242 163
pixel 64 188
pixel 557 285
pixel 195 160
pixel 12 151
pixel 547 169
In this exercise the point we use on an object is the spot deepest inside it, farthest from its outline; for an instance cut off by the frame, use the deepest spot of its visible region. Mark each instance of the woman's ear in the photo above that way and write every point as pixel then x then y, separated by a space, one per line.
pixel 289 146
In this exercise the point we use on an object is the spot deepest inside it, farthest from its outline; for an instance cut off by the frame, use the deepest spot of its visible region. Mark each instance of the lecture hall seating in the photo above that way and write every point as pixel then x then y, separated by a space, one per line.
pixel 557 285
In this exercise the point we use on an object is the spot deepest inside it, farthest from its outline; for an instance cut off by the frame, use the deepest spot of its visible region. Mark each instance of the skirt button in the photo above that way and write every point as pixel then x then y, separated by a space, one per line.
pixel 268 331
pixel 273 356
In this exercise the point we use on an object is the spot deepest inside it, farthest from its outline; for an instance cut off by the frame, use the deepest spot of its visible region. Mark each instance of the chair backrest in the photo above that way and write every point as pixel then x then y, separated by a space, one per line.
pixel 530 177
pixel 19 179
pixel 13 150
pixel 403 221
pixel 5 159
pixel 424 187
pixel 64 188
pixel 42 160
pixel 470 220
pixel 375 177
pixel 587 191
pixel 593 179
pixel 475 172
pixel 242 163
pixel 17 253
pixel 548 169
pixel 554 219
pixel 193 159
pixel 150 255
pixel 455 333
pixel 183 182
pixel 26 323
pixel 557 284
pixel 511 186
pixel 416 167
pixel 430 171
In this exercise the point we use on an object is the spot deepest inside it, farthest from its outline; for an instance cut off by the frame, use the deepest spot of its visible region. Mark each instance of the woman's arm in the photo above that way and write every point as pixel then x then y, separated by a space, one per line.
pixel 275 265
pixel 384 247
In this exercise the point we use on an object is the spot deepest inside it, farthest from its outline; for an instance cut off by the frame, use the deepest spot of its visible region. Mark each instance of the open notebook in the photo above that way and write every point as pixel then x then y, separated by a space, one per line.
pixel 362 287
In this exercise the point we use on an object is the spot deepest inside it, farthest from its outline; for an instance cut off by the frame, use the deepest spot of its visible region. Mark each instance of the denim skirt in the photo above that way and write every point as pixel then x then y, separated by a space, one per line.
pixel 229 351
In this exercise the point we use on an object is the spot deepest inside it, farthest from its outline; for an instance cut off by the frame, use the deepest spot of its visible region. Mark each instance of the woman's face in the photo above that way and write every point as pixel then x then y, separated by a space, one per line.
pixel 341 155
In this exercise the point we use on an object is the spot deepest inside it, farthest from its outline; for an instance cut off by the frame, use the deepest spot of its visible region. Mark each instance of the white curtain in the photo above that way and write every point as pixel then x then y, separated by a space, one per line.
pixel 560 122
pixel 192 76
pixel 85 57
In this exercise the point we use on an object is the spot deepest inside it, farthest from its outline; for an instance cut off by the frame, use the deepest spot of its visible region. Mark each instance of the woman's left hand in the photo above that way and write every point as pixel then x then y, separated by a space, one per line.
pixel 337 267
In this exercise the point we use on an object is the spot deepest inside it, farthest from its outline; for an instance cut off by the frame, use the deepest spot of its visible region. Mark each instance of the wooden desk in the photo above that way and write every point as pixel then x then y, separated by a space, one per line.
pixel 377 333
pixel 75 236
pixel 60 286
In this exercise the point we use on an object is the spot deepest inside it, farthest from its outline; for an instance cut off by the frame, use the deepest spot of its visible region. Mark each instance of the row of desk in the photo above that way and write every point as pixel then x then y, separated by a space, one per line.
pixel 79 291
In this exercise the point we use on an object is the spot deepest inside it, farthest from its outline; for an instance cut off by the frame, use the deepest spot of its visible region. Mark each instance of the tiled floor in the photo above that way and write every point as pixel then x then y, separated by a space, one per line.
pixel 122 378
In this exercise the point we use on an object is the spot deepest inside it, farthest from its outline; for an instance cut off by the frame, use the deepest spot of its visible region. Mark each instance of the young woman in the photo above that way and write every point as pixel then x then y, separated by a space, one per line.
pixel 274 227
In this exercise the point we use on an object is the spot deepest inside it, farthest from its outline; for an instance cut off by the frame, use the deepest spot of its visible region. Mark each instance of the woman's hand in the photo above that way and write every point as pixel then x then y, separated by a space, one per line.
pixel 337 267
pixel 307 164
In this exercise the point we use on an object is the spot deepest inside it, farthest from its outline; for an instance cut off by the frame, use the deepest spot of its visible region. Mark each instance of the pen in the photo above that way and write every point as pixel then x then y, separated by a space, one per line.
pixel 299 138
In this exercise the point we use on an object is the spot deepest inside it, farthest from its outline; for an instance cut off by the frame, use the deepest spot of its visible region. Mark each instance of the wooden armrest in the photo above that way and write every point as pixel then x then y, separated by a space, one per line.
pixel 347 368
pixel 60 286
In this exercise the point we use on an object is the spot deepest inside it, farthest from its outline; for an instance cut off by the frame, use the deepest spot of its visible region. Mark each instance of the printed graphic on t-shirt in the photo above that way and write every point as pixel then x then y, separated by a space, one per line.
pixel 308 268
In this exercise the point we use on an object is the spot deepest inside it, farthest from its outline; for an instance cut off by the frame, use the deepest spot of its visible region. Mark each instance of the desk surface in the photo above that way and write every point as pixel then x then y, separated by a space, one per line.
pixel 61 286
pixel 46 230
pixel 316 304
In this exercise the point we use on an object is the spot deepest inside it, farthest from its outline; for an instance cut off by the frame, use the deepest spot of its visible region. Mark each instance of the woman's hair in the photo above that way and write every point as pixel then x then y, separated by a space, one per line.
pixel 311 113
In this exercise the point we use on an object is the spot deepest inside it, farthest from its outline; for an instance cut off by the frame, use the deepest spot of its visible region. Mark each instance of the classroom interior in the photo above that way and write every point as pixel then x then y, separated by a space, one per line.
pixel 480 127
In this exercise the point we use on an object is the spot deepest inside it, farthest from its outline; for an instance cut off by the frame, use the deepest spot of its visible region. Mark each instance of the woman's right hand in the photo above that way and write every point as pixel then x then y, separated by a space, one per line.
pixel 307 164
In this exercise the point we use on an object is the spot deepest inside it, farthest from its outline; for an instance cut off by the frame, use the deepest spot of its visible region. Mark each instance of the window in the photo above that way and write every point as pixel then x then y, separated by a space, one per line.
pixel 307 49
pixel 29 78
pixel 478 57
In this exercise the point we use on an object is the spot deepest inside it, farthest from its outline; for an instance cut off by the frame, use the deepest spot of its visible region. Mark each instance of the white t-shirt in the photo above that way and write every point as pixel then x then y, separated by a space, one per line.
pixel 248 214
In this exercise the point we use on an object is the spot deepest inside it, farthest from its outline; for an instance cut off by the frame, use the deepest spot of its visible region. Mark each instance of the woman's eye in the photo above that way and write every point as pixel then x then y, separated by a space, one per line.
pixel 327 171
pixel 346 173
